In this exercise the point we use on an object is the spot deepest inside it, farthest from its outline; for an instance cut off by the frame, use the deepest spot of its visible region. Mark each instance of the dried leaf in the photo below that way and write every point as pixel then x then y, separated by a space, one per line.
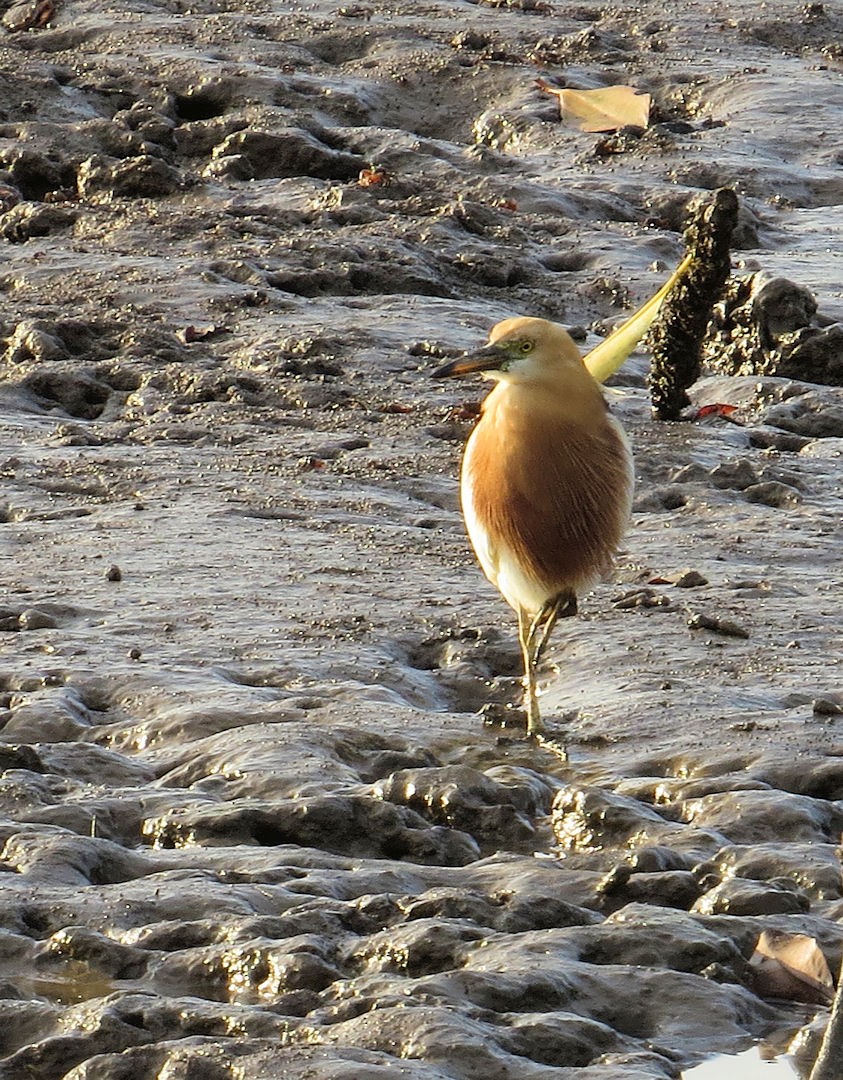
pixel 791 966
pixel 607 109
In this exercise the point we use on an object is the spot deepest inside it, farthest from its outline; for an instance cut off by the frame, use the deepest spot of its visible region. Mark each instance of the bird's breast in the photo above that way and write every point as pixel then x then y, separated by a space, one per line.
pixel 546 490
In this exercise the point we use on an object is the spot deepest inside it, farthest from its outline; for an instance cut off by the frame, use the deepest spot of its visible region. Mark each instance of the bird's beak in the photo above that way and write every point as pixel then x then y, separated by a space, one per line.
pixel 489 358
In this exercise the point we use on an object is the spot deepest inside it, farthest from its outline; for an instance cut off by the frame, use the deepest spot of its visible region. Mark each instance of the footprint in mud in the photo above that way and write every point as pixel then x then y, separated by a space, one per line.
pixel 74 392
pixel 473 667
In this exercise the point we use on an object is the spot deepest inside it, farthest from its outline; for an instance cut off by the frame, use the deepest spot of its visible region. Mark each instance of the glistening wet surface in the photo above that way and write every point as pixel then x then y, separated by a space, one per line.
pixel 253 821
pixel 750 1065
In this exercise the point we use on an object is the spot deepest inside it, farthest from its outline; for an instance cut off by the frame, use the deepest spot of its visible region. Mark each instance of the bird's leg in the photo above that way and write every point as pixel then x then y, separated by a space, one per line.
pixel 533 636
pixel 526 631
pixel 542 626
pixel 561 606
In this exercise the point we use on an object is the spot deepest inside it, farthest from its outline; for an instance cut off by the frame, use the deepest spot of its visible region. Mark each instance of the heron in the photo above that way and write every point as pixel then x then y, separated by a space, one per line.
pixel 546 481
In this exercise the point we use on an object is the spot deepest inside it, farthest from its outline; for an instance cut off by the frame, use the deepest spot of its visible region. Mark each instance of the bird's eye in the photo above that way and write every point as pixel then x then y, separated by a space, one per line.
pixel 526 347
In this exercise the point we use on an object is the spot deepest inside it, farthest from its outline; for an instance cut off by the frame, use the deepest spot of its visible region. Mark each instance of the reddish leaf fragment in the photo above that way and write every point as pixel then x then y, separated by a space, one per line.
pixel 467 410
pixel 374 177
pixel 395 407
pixel 717 409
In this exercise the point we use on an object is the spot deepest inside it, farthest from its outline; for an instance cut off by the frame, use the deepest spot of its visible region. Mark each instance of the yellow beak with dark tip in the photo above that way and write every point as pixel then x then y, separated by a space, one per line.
pixel 489 358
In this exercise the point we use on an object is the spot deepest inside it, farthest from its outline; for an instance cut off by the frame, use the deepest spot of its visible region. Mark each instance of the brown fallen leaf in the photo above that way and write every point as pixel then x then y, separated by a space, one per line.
pixel 607 109
pixel 29 15
pixel 791 966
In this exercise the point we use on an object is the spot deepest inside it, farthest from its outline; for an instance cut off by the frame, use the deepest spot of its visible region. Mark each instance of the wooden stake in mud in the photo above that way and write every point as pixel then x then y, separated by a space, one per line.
pixel 677 333
pixel 829 1063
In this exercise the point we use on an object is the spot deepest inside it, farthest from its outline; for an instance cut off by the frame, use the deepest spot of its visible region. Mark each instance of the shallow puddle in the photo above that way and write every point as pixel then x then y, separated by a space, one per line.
pixel 70 984
pixel 750 1065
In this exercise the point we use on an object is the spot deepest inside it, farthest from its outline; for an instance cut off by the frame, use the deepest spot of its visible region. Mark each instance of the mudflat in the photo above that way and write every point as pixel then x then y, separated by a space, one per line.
pixel 255 820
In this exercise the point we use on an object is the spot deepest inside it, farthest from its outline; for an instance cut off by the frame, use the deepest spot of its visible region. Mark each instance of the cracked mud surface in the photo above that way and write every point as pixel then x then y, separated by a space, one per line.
pixel 252 824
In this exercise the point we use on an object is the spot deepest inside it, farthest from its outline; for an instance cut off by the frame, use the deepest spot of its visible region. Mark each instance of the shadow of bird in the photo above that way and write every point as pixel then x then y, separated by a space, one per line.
pixel 546 484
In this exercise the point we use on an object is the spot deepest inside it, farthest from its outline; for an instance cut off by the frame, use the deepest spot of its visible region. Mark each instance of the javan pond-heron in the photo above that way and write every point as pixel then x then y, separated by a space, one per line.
pixel 546 483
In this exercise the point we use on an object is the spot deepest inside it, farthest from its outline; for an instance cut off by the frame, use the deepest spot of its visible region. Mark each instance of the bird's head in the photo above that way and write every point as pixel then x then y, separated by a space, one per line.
pixel 520 350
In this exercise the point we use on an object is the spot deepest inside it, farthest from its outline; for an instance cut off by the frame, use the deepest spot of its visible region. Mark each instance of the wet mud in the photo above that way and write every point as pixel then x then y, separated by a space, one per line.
pixel 265 807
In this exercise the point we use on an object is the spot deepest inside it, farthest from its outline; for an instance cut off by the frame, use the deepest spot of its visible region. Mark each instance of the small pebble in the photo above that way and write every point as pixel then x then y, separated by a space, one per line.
pixel 642 598
pixel 690 579
pixel 33 619
pixel 826 706
pixel 114 573
pixel 689 473
pixel 773 493
pixel 734 474
pixel 698 621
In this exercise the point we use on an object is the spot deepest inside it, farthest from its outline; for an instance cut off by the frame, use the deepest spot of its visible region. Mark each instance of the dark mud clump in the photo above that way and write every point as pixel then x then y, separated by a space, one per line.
pixel 768 326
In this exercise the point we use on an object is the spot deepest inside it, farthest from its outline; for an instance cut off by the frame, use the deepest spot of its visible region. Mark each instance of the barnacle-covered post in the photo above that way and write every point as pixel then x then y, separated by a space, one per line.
pixel 676 335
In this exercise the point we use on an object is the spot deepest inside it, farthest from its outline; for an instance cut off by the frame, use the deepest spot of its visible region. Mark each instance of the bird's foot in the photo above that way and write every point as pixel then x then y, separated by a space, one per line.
pixel 551 738
pixel 510 718
pixel 554 741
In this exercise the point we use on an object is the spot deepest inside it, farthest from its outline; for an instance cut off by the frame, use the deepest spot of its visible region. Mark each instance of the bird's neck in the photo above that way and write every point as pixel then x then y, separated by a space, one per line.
pixel 567 400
